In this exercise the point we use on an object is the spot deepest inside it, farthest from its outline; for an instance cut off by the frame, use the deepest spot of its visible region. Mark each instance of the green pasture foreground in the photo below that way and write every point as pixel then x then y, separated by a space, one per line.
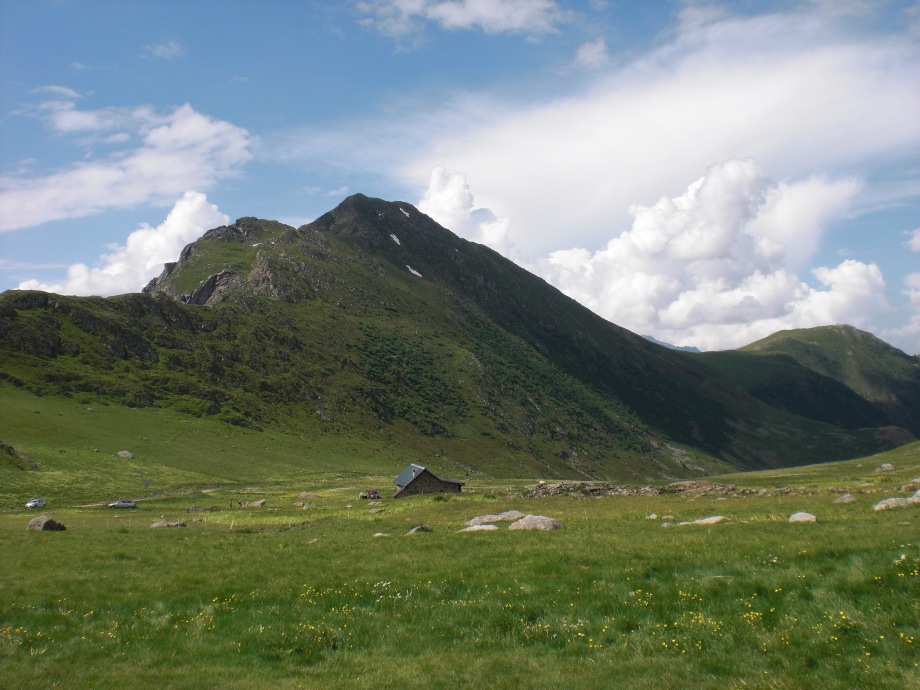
pixel 284 597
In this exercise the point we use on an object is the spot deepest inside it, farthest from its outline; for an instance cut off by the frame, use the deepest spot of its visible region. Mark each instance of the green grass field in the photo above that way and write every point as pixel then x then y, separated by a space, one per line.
pixel 287 597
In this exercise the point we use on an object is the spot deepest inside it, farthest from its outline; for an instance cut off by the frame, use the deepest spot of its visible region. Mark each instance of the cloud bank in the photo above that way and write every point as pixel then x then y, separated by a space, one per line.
pixel 715 267
pixel 153 158
pixel 128 268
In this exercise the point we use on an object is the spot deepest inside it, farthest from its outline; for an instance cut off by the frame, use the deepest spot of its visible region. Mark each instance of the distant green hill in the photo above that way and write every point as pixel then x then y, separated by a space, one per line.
pixel 835 374
pixel 373 327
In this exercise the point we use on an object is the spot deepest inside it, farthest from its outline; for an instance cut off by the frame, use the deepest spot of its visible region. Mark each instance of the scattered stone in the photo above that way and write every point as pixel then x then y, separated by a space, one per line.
pixel 536 522
pixel 419 528
pixel 652 516
pixel 507 516
pixel 889 503
pixel 166 523
pixel 374 511
pixel 846 498
pixel 667 524
pixel 690 488
pixel 885 467
pixel 479 528
pixel 255 504
pixel 381 534
pixel 126 454
pixel 912 485
pixel 45 523
pixel 802 517
pixel 711 520
pixel 374 503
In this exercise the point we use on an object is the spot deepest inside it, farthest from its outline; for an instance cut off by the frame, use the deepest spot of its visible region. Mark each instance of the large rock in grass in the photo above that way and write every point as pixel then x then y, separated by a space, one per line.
pixel 255 504
pixel 479 528
pixel 890 503
pixel 507 516
pixel 536 522
pixel 166 523
pixel 711 520
pixel 846 498
pixel 45 523
pixel 802 517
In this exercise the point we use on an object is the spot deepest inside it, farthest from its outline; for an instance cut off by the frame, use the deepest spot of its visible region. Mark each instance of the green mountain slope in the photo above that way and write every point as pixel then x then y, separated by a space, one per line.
pixel 378 329
pixel 836 374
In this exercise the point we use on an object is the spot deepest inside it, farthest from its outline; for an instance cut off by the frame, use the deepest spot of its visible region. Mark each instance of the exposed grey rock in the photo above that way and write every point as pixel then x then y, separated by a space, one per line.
pixel 885 467
pixel 507 516
pixel 381 534
pixel 846 498
pixel 45 523
pixel 912 485
pixel 889 503
pixel 536 522
pixel 479 528
pixel 419 528
pixel 374 511
pixel 167 523
pixel 255 504
pixel 802 517
pixel 711 520
pixel 126 454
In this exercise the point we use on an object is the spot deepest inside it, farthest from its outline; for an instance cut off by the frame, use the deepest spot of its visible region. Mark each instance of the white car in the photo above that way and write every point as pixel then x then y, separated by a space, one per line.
pixel 37 503
pixel 123 503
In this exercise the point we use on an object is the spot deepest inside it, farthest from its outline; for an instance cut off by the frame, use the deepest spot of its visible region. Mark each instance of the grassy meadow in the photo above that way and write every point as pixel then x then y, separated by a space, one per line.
pixel 287 597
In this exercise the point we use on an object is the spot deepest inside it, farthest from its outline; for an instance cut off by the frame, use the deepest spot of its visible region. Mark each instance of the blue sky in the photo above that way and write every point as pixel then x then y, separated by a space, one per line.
pixel 707 173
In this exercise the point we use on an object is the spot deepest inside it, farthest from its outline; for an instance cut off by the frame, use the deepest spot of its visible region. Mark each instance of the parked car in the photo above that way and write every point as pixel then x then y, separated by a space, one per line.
pixel 373 494
pixel 37 503
pixel 123 503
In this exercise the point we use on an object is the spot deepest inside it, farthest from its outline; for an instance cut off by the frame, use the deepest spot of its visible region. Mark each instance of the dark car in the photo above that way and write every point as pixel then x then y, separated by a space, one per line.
pixel 123 503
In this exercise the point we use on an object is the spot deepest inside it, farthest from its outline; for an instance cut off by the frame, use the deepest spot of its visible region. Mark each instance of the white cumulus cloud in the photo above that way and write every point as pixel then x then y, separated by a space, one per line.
pixel 158 157
pixel 716 266
pixel 129 267
pixel 449 201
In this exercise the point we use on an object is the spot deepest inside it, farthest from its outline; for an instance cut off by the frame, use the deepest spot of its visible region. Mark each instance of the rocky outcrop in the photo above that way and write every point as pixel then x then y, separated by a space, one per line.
pixel 889 503
pixel 45 523
pixel 540 522
pixel 507 516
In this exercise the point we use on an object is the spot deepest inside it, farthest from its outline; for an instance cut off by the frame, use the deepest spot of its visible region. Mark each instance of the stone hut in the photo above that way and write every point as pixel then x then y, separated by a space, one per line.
pixel 416 479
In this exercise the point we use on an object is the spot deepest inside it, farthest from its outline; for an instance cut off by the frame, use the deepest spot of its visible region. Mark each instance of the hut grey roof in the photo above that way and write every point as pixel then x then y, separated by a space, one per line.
pixel 408 474
pixel 413 470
